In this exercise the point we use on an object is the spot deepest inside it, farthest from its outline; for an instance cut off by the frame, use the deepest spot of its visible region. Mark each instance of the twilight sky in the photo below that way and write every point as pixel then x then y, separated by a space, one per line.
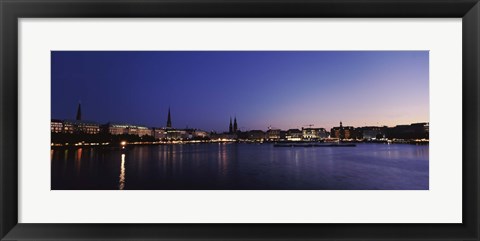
pixel 282 89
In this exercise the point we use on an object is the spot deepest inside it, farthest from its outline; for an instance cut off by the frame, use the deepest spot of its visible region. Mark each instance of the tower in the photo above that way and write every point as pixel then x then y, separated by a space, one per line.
pixel 342 132
pixel 79 112
pixel 235 126
pixel 169 120
pixel 230 129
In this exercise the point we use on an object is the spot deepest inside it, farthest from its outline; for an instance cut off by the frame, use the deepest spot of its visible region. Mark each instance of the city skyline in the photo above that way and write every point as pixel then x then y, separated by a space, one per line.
pixel 281 89
pixel 232 125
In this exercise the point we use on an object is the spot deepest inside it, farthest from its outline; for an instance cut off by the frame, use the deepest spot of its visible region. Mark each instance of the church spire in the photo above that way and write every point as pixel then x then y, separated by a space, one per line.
pixel 235 126
pixel 169 120
pixel 230 129
pixel 79 112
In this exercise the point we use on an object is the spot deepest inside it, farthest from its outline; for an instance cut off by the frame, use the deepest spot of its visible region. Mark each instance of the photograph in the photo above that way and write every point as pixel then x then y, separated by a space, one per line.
pixel 240 120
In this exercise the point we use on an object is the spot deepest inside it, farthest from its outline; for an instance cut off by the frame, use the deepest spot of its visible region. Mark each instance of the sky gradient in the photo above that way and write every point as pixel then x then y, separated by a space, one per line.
pixel 282 89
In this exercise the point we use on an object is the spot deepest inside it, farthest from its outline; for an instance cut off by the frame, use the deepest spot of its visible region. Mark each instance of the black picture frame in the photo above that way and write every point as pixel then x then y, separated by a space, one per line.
pixel 12 10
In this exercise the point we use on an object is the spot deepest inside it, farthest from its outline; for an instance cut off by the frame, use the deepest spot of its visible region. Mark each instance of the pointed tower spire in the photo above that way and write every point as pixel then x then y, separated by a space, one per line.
pixel 235 126
pixel 230 127
pixel 79 112
pixel 169 120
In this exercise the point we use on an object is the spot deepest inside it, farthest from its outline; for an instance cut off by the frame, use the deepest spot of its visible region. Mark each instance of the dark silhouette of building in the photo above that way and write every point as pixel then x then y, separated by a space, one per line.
pixel 343 132
pixel 412 131
pixel 79 112
pixel 337 132
pixel 235 126
pixel 256 135
pixel 169 120
pixel 371 132
pixel 230 128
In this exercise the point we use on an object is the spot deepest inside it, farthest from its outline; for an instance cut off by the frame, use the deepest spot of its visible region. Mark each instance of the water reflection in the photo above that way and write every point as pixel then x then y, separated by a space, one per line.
pixel 78 156
pixel 242 166
pixel 222 159
pixel 78 160
pixel 65 155
pixel 121 182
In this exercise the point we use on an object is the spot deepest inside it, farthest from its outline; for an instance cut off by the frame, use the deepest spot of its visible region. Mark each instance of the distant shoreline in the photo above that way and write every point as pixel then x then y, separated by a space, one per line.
pixel 109 145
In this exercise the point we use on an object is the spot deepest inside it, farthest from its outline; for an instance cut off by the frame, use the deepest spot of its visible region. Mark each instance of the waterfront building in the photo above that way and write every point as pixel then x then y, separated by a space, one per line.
pixel 127 129
pixel 222 136
pixel 159 133
pixel 56 126
pixel 343 132
pixel 273 134
pixel 88 127
pixel 426 127
pixel 313 133
pixel 116 129
pixel 322 133
pixel 143 131
pixel 349 132
pixel 242 135
pixel 294 135
pixel 68 127
pixel 412 131
pixel 185 134
pixel 79 126
pixel 173 134
pixel 75 126
pixel 371 132
pixel 200 134
pixel 256 135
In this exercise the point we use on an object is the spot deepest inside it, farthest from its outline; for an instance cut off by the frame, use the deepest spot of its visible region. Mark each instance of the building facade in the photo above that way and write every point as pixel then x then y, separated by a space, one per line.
pixel 79 126
pixel 56 126
pixel 256 135
pixel 294 135
pixel 126 129
pixel 313 133
pixel 371 132
pixel 343 132
pixel 412 131
pixel 273 135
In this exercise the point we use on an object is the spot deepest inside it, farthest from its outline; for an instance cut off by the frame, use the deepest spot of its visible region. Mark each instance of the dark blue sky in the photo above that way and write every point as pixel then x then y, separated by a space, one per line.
pixel 282 89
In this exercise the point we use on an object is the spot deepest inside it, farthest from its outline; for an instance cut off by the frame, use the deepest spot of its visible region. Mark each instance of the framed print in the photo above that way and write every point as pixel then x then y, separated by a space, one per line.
pixel 228 120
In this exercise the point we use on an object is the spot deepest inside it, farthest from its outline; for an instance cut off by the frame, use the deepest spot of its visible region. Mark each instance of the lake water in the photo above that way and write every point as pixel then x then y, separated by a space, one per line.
pixel 234 166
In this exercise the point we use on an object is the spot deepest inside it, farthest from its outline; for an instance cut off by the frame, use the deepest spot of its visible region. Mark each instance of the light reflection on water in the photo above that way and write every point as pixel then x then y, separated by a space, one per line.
pixel 121 182
pixel 78 160
pixel 222 160
pixel 227 166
